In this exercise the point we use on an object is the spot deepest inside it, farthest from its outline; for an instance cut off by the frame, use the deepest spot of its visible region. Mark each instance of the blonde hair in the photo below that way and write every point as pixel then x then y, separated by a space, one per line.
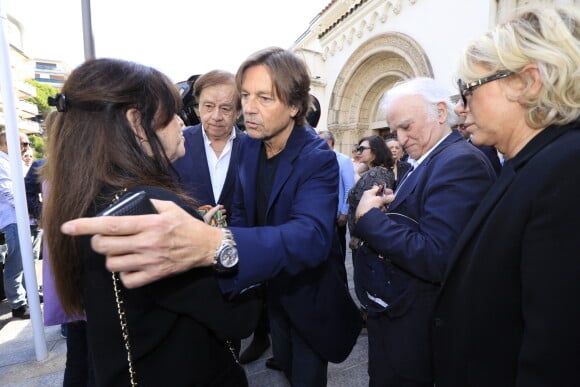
pixel 547 36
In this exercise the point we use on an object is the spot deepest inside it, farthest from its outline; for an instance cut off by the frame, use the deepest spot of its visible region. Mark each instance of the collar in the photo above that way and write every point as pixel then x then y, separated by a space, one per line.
pixel 207 141
pixel 426 154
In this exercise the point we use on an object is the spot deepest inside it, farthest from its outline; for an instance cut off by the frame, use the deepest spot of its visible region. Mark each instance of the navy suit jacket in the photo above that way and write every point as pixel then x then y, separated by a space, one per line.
pixel 193 171
pixel 508 314
pixel 406 251
pixel 491 153
pixel 298 254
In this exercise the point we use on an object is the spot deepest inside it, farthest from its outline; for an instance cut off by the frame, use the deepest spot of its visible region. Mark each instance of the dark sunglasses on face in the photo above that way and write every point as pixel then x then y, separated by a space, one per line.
pixel 466 89
pixel 361 149
pixel 24 144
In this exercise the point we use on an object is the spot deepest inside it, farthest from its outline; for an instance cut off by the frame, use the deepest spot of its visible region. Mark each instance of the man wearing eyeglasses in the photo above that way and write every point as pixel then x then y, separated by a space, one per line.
pixel 408 236
pixel 208 168
pixel 13 272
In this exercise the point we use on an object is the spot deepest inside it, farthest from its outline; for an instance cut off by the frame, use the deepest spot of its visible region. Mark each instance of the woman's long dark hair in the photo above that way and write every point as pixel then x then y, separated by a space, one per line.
pixel 383 155
pixel 92 146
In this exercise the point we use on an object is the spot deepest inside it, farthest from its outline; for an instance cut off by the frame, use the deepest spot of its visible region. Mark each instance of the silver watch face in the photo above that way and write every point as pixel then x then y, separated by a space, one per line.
pixel 229 257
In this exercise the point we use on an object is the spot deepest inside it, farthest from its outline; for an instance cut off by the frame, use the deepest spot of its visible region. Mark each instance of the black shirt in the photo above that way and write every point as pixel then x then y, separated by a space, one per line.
pixel 265 180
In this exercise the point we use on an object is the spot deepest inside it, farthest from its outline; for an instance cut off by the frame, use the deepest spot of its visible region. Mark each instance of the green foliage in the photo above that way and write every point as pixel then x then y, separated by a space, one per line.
pixel 38 144
pixel 42 93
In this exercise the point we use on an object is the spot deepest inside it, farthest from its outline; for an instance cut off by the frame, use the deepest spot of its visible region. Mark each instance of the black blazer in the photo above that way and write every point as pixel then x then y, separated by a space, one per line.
pixel 508 312
pixel 193 171
pixel 177 325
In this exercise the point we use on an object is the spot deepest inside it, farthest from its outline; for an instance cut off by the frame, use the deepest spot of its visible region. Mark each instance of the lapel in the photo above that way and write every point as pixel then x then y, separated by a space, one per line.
pixel 199 158
pixel 408 184
pixel 247 173
pixel 295 143
pixel 508 173
pixel 230 176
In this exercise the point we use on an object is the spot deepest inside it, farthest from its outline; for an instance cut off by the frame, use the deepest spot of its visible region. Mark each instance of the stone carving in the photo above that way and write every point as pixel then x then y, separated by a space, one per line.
pixel 370 71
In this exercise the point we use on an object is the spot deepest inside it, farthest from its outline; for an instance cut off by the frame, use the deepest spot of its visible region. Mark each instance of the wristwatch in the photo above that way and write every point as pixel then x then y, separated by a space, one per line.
pixel 226 256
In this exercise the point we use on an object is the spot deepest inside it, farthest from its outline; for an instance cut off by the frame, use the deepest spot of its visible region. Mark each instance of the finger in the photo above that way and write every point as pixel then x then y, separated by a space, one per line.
pixel 388 199
pixel 164 205
pixel 134 261
pixel 213 210
pixel 107 225
pixel 136 279
pixel 116 245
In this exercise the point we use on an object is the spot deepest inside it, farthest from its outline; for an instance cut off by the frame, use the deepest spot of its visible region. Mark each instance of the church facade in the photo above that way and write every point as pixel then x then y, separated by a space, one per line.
pixel 357 50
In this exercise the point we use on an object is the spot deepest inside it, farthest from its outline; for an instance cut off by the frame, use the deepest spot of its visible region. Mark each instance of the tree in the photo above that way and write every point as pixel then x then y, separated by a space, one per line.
pixel 38 144
pixel 42 93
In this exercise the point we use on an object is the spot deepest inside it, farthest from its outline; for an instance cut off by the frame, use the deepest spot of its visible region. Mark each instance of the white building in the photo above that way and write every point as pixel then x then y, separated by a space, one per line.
pixel 22 68
pixel 357 49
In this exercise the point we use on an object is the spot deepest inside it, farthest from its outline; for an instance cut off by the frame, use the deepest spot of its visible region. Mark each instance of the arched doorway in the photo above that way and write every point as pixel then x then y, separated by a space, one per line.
pixel 355 108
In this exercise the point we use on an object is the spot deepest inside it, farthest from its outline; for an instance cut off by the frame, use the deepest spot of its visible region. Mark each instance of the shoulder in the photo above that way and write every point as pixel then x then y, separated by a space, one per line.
pixel 192 131
pixel 159 193
pixel 306 148
pixel 460 151
pixel 343 159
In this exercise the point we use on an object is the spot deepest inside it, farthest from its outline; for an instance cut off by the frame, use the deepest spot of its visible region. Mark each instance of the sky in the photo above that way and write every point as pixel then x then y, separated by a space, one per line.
pixel 178 37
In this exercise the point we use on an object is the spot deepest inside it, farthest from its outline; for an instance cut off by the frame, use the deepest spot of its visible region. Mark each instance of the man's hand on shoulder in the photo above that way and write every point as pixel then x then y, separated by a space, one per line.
pixel 146 248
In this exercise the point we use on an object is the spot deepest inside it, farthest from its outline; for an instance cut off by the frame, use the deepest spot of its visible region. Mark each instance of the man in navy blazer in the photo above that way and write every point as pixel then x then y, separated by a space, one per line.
pixel 285 221
pixel 402 260
pixel 282 230
pixel 207 170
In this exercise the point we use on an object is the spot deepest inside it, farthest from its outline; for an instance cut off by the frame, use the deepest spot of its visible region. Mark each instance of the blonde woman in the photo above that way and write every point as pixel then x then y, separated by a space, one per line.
pixel 507 314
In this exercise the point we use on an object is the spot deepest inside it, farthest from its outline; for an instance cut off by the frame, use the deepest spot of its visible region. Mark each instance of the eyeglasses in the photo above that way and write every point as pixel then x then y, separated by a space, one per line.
pixel 24 144
pixel 361 149
pixel 466 89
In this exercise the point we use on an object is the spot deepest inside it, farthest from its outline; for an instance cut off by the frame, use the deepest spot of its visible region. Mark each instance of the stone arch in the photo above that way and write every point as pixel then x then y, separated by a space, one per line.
pixel 370 71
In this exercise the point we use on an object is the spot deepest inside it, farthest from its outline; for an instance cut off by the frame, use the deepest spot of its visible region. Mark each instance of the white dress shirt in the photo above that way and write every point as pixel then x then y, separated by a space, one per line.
pixel 218 166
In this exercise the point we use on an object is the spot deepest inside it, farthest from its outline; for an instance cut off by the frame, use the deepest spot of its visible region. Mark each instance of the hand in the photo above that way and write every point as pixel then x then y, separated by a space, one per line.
pixel 353 243
pixel 341 220
pixel 146 248
pixel 373 199
pixel 208 216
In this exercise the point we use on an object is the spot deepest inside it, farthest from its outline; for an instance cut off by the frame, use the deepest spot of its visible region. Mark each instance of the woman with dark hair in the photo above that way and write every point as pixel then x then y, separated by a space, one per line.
pixel 122 117
pixel 400 167
pixel 374 152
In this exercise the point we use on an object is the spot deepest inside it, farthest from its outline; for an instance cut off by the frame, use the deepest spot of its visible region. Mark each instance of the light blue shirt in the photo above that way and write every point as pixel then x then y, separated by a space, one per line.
pixel 7 210
pixel 346 181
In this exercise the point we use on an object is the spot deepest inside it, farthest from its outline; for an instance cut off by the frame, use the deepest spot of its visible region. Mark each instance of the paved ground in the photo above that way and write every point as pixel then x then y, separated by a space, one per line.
pixel 19 367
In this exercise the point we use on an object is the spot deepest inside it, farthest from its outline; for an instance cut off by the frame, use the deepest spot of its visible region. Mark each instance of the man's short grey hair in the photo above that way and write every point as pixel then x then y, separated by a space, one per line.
pixel 327 136
pixel 432 91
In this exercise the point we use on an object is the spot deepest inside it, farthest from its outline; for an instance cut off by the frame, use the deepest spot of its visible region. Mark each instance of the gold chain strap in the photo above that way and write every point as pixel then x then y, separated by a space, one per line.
pixel 233 351
pixel 121 313
pixel 124 326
